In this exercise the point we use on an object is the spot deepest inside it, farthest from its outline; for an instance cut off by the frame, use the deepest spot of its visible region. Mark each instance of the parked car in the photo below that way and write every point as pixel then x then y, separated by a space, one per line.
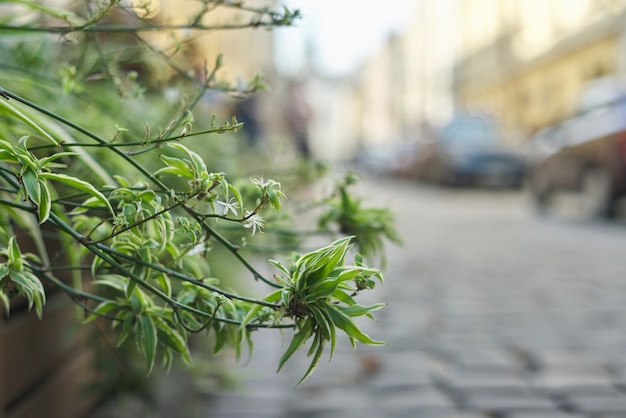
pixel 470 151
pixel 585 154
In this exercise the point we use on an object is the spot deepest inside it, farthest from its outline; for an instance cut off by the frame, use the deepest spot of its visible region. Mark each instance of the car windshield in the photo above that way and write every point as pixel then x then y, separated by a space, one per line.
pixel 473 132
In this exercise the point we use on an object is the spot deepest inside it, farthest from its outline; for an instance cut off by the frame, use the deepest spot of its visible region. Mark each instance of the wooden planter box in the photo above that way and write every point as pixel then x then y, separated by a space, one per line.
pixel 46 366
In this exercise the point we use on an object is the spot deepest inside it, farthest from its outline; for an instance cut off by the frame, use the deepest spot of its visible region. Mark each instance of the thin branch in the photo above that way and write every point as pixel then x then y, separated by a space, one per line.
pixel 211 231
pixel 65 30
pixel 203 327
pixel 143 221
pixel 182 276
pixel 105 253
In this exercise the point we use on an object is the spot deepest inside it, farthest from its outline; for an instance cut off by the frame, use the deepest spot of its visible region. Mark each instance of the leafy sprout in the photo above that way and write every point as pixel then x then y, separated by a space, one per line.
pixel 318 294
pixel 369 225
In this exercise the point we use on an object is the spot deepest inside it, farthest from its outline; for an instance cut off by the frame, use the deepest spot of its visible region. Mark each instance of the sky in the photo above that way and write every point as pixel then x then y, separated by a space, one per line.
pixel 341 33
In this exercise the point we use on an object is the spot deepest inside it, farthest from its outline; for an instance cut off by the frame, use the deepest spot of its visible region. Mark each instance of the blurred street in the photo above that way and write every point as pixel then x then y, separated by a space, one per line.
pixel 493 312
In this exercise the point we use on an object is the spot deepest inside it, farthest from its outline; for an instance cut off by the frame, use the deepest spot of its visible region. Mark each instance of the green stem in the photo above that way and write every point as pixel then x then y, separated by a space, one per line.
pixel 104 253
pixel 71 291
pixel 26 208
pixel 230 247
pixel 64 30
pixel 143 221
pixel 183 277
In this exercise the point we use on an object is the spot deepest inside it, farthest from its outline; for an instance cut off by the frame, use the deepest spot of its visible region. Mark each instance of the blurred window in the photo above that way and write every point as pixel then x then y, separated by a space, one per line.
pixel 600 92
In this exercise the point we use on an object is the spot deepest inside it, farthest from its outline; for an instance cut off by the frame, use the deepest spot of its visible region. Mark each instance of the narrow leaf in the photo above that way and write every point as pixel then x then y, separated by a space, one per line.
pixel 45 204
pixel 5 302
pixel 15 256
pixel 102 310
pixel 237 194
pixel 127 328
pixel 30 286
pixel 29 178
pixel 80 185
pixel 114 281
pixel 199 164
pixel 343 322
pixel 359 310
pixel 323 325
pixel 178 164
pixel 149 339
pixel 9 108
pixel 172 338
pixel 250 315
pixel 315 362
pixel 298 340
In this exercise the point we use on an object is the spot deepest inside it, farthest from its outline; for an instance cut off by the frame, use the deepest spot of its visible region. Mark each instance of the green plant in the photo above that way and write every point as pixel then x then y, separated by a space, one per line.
pixel 369 226
pixel 136 210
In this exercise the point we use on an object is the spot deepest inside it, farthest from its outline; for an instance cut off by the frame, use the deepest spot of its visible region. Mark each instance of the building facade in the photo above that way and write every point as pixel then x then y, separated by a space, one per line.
pixel 525 62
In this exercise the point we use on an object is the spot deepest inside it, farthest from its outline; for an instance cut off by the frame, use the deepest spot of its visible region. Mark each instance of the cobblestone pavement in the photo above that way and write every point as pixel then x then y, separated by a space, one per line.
pixel 493 312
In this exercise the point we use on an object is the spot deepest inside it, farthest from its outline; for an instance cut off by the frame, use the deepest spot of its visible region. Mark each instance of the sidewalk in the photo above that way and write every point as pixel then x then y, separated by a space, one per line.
pixel 492 313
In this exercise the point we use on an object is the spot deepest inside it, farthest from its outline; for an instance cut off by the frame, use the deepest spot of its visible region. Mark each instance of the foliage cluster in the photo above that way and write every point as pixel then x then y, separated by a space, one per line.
pixel 133 206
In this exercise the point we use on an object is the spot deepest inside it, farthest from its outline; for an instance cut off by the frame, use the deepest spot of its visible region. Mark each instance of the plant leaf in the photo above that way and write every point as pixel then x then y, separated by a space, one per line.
pixel 148 339
pixel 30 286
pixel 14 254
pixel 102 310
pixel 29 179
pixel 5 302
pixel 195 159
pixel 170 336
pixel 49 159
pixel 175 166
pixel 250 315
pixel 45 204
pixel 359 310
pixel 314 362
pixel 115 281
pixel 297 341
pixel 343 322
pixel 9 108
pixel 80 185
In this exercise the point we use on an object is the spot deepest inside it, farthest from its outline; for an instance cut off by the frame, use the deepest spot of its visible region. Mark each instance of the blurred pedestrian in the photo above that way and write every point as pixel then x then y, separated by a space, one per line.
pixel 246 110
pixel 298 115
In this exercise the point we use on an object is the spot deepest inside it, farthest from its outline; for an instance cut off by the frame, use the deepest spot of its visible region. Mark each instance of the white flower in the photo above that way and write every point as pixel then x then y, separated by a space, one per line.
pixel 231 205
pixel 198 249
pixel 254 222
pixel 259 182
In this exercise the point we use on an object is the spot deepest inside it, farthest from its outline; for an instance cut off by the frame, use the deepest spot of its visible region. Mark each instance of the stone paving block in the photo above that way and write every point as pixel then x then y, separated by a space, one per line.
pixel 467 382
pixel 544 414
pixel 238 414
pixel 408 413
pixel 569 358
pixel 617 376
pixel 405 369
pixel 327 400
pixel 389 382
pixel 344 369
pixel 235 406
pixel 609 415
pixel 560 381
pixel 419 398
pixel 488 359
pixel 599 404
pixel 489 403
